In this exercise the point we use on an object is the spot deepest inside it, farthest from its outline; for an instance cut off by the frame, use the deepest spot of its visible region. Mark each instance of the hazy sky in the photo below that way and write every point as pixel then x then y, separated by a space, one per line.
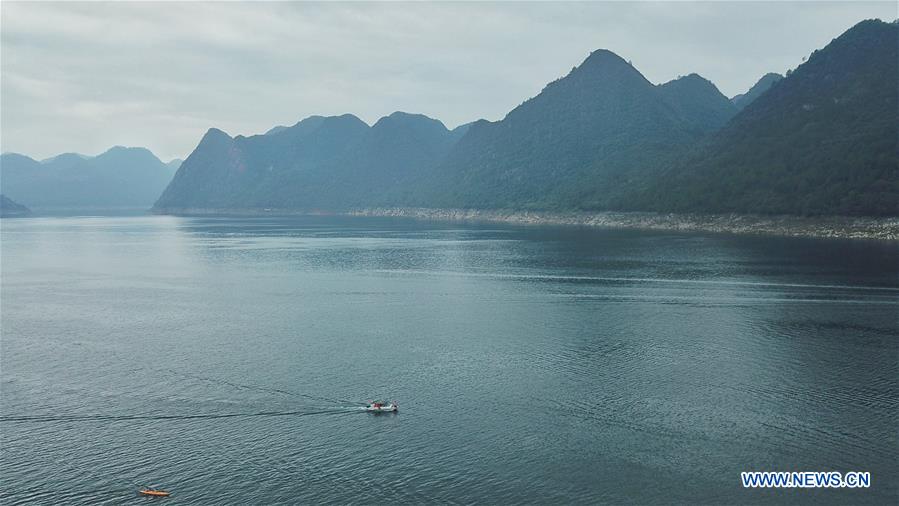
pixel 86 76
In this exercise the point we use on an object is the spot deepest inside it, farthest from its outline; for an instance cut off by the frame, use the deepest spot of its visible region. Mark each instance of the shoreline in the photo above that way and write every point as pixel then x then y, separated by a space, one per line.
pixel 835 227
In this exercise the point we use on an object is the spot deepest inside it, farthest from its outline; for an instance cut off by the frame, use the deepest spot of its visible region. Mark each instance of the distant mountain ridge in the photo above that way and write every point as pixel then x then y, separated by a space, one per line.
pixel 320 162
pixel 600 138
pixel 821 141
pixel 601 127
pixel 11 209
pixel 407 159
pixel 119 177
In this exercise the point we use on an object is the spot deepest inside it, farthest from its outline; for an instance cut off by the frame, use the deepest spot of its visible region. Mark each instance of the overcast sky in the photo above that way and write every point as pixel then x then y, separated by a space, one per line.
pixel 81 77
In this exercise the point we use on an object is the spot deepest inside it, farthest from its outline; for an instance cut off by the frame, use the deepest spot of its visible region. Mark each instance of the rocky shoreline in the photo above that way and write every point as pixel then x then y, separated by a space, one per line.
pixel 841 227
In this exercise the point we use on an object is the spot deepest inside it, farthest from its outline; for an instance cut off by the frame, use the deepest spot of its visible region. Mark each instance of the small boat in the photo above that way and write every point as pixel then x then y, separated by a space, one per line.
pixel 155 493
pixel 382 407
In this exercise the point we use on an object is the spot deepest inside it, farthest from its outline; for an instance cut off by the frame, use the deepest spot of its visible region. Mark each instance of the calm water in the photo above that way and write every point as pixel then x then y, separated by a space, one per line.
pixel 532 365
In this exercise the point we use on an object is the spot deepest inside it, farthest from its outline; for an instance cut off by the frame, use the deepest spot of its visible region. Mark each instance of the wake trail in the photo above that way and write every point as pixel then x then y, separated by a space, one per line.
pixel 553 277
pixel 206 416
pixel 242 386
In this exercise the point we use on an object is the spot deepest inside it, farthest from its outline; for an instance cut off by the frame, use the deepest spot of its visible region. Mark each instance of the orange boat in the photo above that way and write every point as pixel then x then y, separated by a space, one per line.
pixel 157 493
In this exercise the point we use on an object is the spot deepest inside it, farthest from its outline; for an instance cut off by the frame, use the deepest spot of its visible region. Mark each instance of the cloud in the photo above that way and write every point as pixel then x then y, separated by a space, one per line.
pixel 85 76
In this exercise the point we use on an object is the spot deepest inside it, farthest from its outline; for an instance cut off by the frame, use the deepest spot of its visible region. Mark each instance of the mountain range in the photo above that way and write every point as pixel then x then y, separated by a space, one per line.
pixel 602 128
pixel 120 177
pixel 823 140
pixel 576 142
pixel 820 140
pixel 318 163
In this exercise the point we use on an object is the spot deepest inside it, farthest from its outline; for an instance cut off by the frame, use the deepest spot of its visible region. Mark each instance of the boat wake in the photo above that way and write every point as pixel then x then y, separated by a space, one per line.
pixel 205 416
pixel 242 386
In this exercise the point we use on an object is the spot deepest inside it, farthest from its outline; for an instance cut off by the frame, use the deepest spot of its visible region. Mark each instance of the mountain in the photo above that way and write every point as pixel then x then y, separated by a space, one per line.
pixel 275 129
pixel 820 141
pixel 67 158
pixel 601 128
pixel 319 163
pixel 823 140
pixel 742 100
pixel 10 209
pixel 120 177
pixel 174 164
pixel 699 102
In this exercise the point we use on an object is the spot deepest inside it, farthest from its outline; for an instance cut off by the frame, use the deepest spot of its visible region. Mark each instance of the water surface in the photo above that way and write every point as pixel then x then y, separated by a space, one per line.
pixel 225 359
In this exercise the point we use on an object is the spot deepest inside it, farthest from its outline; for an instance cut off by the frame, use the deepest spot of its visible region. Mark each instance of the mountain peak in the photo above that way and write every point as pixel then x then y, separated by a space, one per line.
pixel 17 157
pixel 402 115
pixel 341 121
pixel 859 46
pixel 125 149
pixel 301 127
pixel 68 158
pixel 603 77
pixel 698 101
pixel 603 57
pixel 692 81
pixel 214 136
pixel 400 118
pixel 693 77
pixel 347 117
pixel 128 156
pixel 604 66
pixel 761 86
pixel 215 132
pixel 275 129
pixel 869 24
pixel 787 151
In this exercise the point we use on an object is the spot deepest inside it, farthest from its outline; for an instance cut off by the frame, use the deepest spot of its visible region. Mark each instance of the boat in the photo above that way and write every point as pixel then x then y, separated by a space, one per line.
pixel 382 407
pixel 153 492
